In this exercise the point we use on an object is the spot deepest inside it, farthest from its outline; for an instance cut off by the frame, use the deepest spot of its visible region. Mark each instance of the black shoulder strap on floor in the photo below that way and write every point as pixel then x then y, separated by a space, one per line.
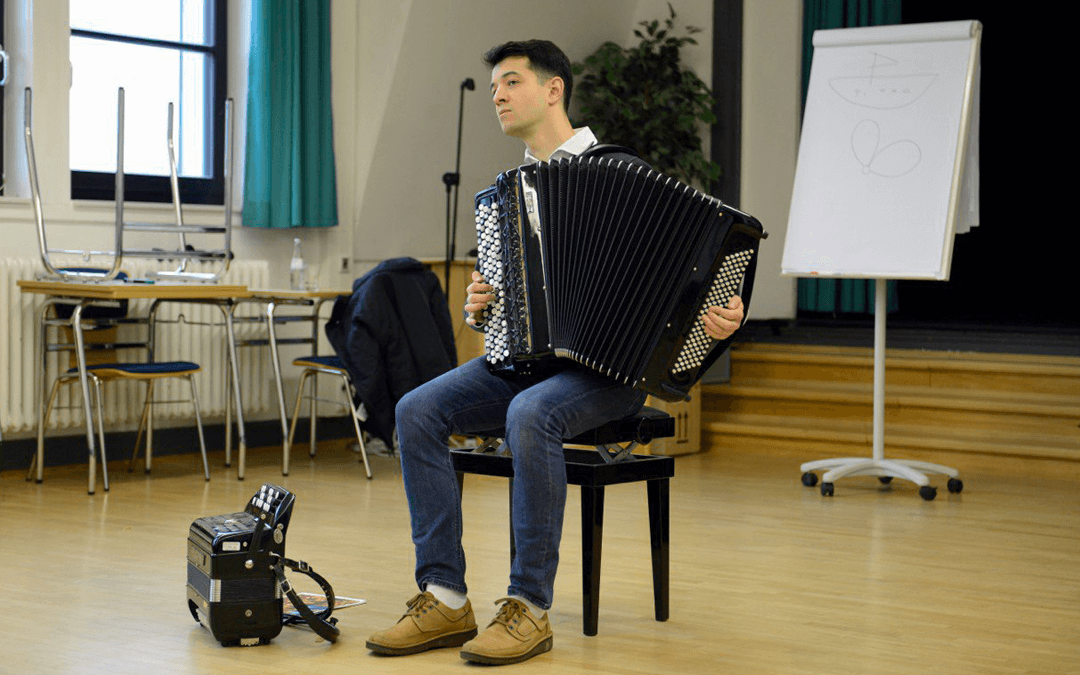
pixel 321 623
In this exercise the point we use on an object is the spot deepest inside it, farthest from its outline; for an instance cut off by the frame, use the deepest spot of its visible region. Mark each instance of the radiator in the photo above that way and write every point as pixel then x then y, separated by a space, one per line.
pixel 187 332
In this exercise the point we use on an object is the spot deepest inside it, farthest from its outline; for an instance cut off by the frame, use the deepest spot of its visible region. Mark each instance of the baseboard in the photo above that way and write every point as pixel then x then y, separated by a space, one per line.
pixel 71 449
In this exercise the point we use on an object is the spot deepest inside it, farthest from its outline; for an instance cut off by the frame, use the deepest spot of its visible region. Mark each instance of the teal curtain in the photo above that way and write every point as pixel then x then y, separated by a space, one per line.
pixel 289 178
pixel 850 296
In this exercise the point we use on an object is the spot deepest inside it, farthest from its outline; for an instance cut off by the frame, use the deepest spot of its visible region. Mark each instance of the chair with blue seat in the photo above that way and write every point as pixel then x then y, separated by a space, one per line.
pixel 312 367
pixel 104 365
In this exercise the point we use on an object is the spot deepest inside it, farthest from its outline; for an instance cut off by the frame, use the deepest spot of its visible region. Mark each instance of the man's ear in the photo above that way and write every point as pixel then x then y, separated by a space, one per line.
pixel 555 90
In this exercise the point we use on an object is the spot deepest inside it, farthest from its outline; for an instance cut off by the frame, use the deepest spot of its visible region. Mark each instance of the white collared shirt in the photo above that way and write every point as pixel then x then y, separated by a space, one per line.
pixel 582 140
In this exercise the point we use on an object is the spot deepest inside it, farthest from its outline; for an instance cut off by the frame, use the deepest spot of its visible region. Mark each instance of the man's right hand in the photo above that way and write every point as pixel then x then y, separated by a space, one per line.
pixel 480 294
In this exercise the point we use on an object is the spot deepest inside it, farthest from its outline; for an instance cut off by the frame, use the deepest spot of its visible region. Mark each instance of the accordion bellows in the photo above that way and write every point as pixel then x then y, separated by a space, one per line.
pixel 611 265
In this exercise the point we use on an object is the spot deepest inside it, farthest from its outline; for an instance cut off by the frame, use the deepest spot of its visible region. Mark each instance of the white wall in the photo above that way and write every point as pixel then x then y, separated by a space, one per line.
pixel 414 55
pixel 413 107
pixel 772 43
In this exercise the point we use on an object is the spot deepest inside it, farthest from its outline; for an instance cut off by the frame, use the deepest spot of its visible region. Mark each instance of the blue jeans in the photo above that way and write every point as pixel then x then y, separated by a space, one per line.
pixel 537 414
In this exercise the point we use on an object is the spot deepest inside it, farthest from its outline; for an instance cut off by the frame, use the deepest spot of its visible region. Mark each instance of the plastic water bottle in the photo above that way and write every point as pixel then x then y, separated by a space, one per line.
pixel 297 267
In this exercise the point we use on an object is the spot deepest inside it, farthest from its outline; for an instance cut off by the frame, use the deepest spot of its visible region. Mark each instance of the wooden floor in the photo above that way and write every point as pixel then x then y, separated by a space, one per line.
pixel 767 576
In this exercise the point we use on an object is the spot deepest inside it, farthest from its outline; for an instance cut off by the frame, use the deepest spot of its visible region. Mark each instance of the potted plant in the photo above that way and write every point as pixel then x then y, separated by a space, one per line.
pixel 644 98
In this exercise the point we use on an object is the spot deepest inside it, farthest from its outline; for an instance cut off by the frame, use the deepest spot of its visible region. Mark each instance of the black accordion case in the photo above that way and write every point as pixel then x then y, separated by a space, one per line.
pixel 611 265
pixel 235 577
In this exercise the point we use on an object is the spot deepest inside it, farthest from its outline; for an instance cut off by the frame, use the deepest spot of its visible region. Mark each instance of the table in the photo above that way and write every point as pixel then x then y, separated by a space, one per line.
pixel 273 299
pixel 87 293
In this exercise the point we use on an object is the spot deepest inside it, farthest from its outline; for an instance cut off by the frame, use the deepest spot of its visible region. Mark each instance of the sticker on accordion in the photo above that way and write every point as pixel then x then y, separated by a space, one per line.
pixel 230 546
pixel 726 283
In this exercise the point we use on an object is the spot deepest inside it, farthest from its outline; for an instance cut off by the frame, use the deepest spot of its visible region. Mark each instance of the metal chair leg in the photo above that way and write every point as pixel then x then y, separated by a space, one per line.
pixel 139 433
pixel 101 431
pixel 37 462
pixel 198 426
pixel 313 414
pixel 148 455
pixel 292 425
pixel 356 424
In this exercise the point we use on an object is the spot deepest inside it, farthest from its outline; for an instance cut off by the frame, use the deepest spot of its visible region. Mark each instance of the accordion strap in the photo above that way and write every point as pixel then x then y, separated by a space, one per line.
pixel 601 149
pixel 321 623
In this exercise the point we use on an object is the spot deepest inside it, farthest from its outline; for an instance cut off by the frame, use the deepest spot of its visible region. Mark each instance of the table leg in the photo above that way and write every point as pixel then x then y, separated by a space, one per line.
pixel 230 336
pixel 228 416
pixel 312 418
pixel 270 308
pixel 41 404
pixel 84 383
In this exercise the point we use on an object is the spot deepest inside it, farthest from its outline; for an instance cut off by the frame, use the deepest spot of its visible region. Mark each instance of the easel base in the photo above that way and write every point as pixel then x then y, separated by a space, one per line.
pixel 885 469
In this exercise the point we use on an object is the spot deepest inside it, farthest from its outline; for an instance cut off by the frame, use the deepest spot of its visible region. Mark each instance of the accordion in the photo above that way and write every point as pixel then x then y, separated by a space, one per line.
pixel 232 588
pixel 236 574
pixel 611 265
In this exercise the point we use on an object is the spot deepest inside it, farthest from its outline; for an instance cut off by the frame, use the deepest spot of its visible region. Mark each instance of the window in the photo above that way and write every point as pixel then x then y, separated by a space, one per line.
pixel 159 52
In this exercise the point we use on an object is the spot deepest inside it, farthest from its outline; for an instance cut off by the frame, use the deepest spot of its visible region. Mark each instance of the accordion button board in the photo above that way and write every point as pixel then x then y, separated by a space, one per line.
pixel 611 265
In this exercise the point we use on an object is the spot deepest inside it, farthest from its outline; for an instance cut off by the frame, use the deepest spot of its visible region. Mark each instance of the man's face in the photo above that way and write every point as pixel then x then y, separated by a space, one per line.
pixel 521 100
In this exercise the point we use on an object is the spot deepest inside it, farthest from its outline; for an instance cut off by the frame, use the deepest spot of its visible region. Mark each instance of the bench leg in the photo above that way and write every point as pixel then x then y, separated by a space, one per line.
pixel 592 536
pixel 659 535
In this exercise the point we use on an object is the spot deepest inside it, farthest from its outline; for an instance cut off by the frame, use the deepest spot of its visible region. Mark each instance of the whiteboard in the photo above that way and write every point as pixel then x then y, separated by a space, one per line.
pixel 883 169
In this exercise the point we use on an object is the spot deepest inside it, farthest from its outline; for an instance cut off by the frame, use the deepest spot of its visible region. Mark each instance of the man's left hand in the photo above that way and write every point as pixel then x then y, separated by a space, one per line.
pixel 721 322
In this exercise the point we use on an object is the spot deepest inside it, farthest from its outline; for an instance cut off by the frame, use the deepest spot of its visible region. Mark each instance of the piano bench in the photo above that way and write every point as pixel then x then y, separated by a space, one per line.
pixel 610 463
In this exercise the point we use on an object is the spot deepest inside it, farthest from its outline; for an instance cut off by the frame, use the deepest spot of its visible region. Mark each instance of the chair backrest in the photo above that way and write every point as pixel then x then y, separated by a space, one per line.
pixel 99 343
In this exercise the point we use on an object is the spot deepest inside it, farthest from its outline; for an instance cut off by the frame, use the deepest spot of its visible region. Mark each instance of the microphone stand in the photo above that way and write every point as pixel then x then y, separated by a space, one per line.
pixel 451 180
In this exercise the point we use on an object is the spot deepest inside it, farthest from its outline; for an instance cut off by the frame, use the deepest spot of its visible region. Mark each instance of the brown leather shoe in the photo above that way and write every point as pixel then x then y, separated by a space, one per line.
pixel 513 636
pixel 428 624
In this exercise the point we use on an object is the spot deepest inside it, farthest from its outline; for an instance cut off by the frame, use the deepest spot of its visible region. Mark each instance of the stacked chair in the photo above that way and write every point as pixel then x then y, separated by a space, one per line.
pixel 103 322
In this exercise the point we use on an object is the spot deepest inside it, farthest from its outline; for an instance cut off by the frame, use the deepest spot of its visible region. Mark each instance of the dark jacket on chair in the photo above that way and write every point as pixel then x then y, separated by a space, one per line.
pixel 393 333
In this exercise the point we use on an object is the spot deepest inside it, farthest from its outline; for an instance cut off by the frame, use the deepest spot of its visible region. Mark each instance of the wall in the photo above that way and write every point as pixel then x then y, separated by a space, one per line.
pixel 414 55
pixel 772 38
pixel 397 71
pixel 413 108
pixel 397 68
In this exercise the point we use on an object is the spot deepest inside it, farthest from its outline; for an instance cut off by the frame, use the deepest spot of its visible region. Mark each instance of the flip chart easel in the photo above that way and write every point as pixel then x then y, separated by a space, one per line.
pixel 887 175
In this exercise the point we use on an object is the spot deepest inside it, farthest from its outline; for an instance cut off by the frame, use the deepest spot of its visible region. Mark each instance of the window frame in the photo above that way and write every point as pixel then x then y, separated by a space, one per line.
pixel 96 185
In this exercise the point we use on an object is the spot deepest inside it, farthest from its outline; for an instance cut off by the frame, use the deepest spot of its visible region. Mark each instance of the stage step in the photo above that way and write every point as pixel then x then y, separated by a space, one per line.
pixel 818 399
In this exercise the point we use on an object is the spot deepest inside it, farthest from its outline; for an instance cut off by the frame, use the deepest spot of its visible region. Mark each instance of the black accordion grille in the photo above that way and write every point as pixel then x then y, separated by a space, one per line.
pixel 615 271
pixel 241 589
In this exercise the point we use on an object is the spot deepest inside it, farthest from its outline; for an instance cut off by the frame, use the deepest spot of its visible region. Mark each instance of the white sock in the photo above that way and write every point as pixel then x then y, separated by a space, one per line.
pixel 446 596
pixel 536 611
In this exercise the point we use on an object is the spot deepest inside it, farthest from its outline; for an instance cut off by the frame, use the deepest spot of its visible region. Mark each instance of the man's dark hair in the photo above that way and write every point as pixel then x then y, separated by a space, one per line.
pixel 545 59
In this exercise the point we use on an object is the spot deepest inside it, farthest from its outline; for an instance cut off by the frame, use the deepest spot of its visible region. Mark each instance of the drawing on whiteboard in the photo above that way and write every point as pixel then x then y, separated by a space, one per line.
pixel 890 161
pixel 883 91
